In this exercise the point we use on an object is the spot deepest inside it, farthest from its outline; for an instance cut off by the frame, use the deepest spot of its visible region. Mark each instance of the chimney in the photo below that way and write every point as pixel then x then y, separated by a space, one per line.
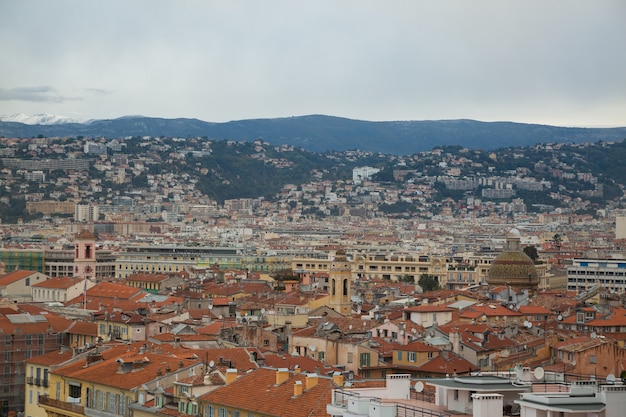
pixel 297 389
pixel 231 375
pixel 338 378
pixel 311 381
pixel 282 374
pixel 455 340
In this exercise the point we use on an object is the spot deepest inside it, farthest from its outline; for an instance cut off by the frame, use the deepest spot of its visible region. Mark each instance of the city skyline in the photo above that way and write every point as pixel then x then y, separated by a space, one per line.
pixel 558 63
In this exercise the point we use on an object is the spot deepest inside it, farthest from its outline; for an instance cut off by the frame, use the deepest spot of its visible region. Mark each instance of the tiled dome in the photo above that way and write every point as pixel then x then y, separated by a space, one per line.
pixel 513 267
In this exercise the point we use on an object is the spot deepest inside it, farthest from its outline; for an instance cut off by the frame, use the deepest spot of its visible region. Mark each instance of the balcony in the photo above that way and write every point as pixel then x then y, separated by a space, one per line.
pixel 61 407
pixel 29 380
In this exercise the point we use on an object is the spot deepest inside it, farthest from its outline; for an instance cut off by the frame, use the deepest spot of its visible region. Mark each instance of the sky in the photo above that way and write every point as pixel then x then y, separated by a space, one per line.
pixel 557 62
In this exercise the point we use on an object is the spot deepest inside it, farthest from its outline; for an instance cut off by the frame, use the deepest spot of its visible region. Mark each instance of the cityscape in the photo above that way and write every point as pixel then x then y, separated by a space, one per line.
pixel 344 208
pixel 448 282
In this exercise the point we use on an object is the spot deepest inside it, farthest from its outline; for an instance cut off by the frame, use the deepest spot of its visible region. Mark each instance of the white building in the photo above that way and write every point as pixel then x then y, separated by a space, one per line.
pixel 584 274
pixel 84 212
pixel 360 174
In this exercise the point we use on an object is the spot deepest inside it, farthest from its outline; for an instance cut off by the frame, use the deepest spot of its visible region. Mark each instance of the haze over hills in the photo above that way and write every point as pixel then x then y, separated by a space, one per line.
pixel 320 133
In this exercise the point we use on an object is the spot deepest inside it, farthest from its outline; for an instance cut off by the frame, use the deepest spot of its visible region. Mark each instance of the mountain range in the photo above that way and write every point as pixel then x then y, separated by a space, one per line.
pixel 320 133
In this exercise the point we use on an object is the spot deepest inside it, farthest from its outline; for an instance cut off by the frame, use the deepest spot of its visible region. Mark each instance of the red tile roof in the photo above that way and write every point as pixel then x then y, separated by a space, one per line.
pixel 271 399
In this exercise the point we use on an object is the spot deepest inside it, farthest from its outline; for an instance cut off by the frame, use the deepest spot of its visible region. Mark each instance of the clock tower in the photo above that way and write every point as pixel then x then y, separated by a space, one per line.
pixel 340 280
pixel 85 255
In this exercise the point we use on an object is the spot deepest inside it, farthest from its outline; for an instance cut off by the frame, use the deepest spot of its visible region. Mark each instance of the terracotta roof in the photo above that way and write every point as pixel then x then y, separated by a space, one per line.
pixel 15 276
pixel 447 365
pixel 428 309
pixel 58 283
pixel 303 363
pixel 272 399
pixel 417 346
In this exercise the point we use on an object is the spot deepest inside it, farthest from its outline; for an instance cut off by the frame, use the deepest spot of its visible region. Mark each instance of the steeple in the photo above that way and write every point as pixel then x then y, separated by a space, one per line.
pixel 340 280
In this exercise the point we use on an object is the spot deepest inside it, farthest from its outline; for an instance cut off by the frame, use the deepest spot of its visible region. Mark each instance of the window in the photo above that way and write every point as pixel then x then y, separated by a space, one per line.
pixel 28 339
pixel 320 356
pixel 121 405
pixel 112 399
pixel 430 355
pixel 98 400
pixel 266 342
pixel 411 356
pixel 209 411
pixel 349 357
pixel 222 412
pixel 456 395
pixel 592 359
pixel 235 413
pixel 74 390
pixel 365 359
pixel 399 355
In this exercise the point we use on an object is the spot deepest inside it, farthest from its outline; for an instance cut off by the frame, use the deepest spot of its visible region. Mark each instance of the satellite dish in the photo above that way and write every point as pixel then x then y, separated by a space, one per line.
pixel 539 373
pixel 593 335
pixel 401 332
pixel 262 311
pixel 211 364
pixel 312 348
pixel 350 327
pixel 610 378
pixel 559 317
pixel 574 362
pixel 419 386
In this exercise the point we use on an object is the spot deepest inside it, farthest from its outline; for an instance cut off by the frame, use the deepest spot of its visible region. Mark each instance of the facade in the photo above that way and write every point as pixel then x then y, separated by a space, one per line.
pixel 38 378
pixel 106 381
pixel 587 273
pixel 27 259
pixel 173 259
pixel 340 283
pixel 85 212
pixel 17 285
pixel 60 290
pixel 24 336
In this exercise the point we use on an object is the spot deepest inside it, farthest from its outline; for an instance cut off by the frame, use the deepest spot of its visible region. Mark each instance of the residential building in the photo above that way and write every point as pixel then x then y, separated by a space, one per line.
pixel 60 290
pixel 17 285
pixel 23 336
pixel 586 273
pixel 280 393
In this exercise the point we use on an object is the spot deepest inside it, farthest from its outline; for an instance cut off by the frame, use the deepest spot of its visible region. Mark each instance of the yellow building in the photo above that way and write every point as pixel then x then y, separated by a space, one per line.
pixel 104 382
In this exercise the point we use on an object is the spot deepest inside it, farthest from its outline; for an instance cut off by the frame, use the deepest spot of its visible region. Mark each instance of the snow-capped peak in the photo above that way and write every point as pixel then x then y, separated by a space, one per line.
pixel 37 119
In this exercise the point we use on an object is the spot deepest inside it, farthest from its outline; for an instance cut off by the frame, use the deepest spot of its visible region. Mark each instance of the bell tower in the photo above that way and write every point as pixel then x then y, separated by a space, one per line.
pixel 340 280
pixel 85 255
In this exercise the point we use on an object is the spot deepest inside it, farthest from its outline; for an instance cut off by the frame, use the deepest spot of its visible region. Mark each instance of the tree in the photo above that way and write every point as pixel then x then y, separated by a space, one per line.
pixel 531 251
pixel 428 283
pixel 407 278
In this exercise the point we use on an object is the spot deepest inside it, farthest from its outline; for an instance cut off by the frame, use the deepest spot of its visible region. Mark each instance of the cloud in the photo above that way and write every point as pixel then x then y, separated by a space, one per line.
pixel 43 94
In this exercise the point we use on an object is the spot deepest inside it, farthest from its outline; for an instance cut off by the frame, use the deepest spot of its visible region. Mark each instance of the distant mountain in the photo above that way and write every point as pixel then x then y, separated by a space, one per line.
pixel 320 133
pixel 37 119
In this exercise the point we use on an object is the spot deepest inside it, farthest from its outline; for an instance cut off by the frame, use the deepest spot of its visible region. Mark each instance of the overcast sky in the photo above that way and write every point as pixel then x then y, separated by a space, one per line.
pixel 559 62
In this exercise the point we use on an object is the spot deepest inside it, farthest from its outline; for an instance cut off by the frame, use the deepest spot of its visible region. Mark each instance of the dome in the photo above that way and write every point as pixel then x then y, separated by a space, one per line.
pixel 513 267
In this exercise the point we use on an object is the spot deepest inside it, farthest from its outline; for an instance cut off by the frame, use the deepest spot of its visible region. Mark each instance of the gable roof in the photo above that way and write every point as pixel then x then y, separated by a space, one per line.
pixel 273 399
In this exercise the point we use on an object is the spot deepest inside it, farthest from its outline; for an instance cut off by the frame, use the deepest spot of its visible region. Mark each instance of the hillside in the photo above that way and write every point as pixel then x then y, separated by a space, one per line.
pixel 319 133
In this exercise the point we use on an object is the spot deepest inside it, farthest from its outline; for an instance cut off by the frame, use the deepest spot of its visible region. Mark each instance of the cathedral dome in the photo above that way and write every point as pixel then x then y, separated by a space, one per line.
pixel 513 267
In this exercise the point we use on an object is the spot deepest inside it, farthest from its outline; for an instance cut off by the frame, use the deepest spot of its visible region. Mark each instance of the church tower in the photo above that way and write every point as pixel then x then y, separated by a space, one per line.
pixel 85 255
pixel 340 280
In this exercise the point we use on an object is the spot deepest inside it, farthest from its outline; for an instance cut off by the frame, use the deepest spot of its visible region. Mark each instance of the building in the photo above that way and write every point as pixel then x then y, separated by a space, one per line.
pixel 23 336
pixel 16 285
pixel 85 212
pixel 361 174
pixel 279 393
pixel 59 290
pixel 513 268
pixel 105 381
pixel 584 398
pixel 173 259
pixel 340 283
pixel 38 378
pixel 587 273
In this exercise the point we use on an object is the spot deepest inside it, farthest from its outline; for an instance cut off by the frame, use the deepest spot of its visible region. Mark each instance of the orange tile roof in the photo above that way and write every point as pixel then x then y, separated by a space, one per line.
pixel 417 346
pixel 58 283
pixel 272 399
pixel 15 276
